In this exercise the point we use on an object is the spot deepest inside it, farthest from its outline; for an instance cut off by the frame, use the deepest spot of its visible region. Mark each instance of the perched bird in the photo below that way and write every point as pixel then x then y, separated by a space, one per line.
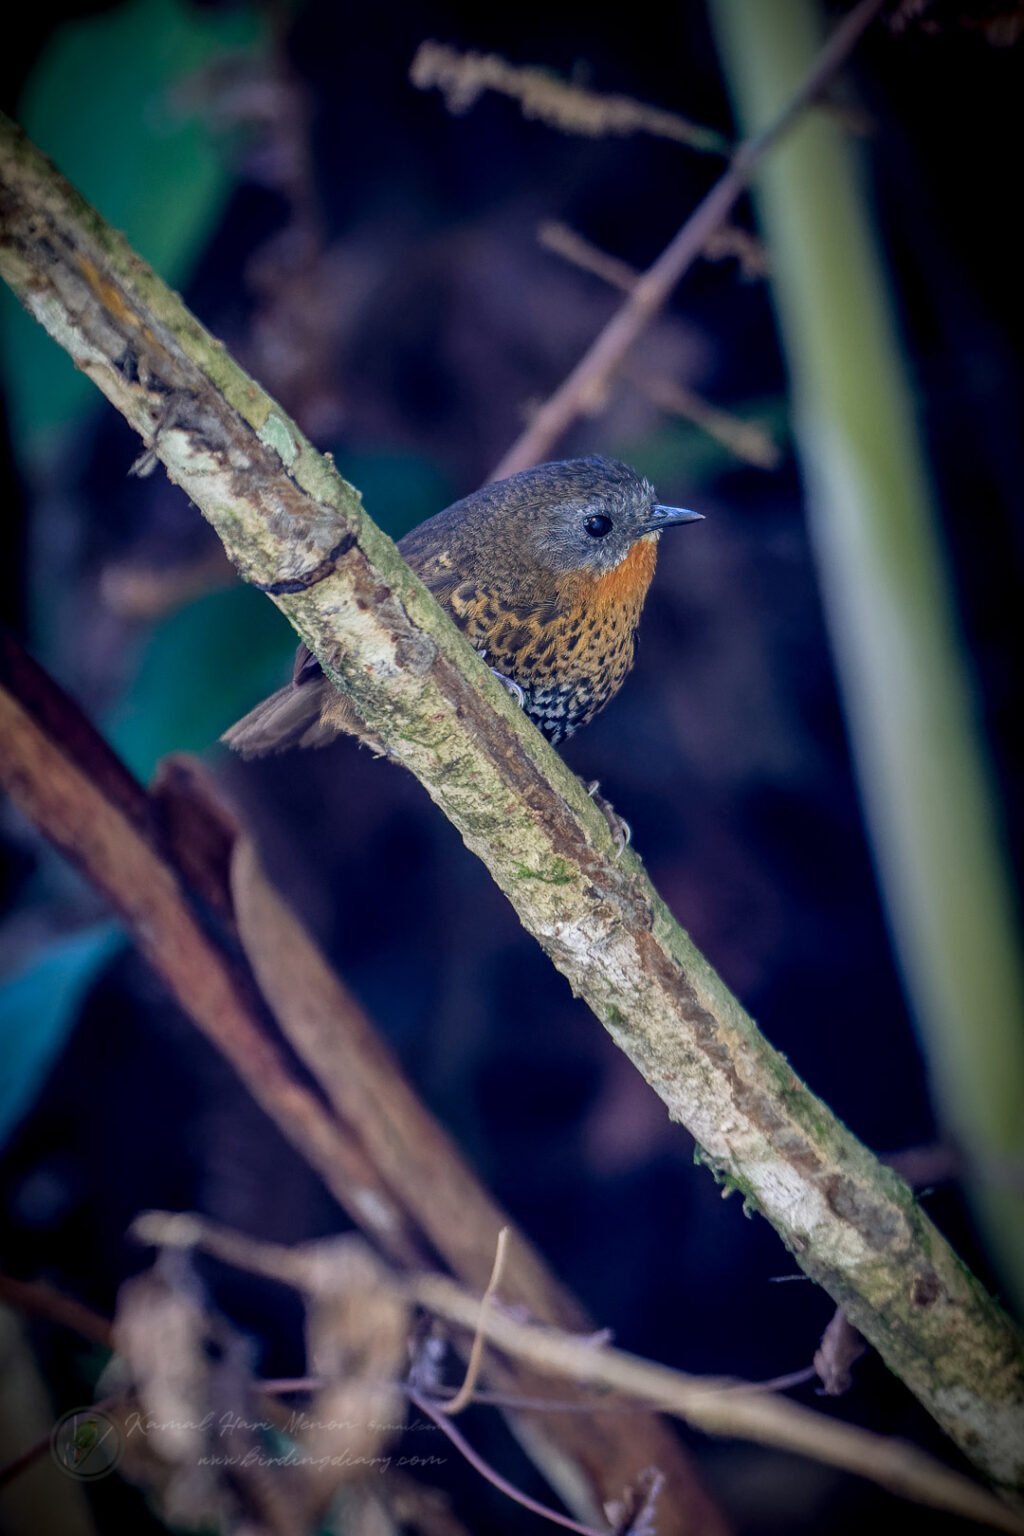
pixel 545 573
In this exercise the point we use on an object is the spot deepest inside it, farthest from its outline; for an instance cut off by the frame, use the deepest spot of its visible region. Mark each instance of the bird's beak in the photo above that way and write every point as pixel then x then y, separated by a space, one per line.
pixel 668 517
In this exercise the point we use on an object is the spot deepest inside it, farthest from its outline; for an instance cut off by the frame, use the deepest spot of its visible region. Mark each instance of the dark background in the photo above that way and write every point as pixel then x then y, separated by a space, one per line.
pixel 374 261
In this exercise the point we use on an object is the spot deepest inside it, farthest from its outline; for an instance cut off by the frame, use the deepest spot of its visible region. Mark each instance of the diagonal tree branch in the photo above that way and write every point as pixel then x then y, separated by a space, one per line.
pixel 298 531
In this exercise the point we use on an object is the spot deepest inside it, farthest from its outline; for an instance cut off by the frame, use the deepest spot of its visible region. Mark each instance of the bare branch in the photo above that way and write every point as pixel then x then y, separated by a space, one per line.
pixel 718 1407
pixel 464 1396
pixel 589 380
pixel 745 439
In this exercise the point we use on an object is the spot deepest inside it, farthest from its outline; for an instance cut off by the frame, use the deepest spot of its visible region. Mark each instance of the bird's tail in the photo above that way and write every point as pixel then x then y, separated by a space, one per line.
pixel 289 718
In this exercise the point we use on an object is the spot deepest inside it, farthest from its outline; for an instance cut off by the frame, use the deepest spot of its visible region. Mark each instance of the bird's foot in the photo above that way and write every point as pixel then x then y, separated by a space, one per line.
pixel 619 828
pixel 513 688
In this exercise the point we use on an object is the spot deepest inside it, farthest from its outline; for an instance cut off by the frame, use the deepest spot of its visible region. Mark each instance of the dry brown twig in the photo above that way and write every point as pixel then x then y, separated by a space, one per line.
pixel 745 439
pixel 41 1299
pixel 589 380
pixel 464 1396
pixel 722 244
pixel 462 78
pixel 718 1407
pixel 378 1150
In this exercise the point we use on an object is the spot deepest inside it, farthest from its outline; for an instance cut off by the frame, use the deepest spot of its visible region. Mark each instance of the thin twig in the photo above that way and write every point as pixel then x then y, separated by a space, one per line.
pixel 44 1300
pixel 589 380
pixel 717 1406
pixel 440 1418
pixel 562 240
pixel 745 439
pixel 784 1383
pixel 727 1408
pixel 279 1386
pixel 464 1396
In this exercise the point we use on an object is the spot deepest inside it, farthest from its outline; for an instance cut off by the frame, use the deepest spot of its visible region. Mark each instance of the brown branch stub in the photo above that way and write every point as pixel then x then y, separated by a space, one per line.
pixel 840 1348
pixel 853 1225
pixel 732 241
pixel 41 1299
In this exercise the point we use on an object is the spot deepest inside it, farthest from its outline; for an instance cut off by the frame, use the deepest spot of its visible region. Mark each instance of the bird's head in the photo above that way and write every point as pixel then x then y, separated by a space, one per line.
pixel 585 514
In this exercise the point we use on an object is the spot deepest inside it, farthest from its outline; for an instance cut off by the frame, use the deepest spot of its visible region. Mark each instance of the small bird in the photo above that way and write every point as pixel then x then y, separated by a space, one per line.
pixel 545 573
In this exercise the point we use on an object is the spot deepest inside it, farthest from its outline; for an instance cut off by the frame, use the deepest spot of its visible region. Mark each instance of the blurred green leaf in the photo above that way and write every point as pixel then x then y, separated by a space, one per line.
pixel 101 102
pixel 39 1006
pixel 208 663
pixel 399 490
pixel 201 668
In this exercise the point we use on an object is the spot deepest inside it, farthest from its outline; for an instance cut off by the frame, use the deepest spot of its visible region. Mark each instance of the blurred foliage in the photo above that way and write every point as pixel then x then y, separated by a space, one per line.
pixel 108 100
pixel 200 669
pixel 398 489
pixel 207 663
pixel 38 1007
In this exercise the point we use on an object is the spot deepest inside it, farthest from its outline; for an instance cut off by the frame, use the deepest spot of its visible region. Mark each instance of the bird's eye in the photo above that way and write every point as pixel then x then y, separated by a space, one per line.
pixel 597 525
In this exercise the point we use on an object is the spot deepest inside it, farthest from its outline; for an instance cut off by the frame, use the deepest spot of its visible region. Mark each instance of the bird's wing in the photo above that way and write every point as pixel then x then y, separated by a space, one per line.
pixel 474 608
pixel 306 667
pixel 468 601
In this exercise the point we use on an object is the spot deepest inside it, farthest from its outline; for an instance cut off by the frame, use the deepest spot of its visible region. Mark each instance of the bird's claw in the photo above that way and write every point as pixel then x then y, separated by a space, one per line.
pixel 513 687
pixel 619 828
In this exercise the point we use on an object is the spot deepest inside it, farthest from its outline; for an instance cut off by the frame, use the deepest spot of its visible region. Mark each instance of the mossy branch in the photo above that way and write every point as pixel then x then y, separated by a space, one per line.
pixel 294 527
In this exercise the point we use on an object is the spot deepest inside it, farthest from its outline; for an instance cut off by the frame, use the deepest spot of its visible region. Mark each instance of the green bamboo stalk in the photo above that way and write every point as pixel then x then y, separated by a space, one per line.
pixel 924 778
